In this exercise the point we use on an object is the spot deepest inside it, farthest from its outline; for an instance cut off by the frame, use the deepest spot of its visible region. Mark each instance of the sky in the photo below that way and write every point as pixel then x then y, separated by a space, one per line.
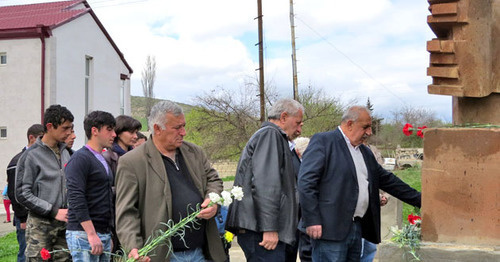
pixel 352 50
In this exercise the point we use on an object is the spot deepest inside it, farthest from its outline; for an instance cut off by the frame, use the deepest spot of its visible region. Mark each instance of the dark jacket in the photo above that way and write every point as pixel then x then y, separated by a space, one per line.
pixel 112 155
pixel 19 211
pixel 40 181
pixel 266 174
pixel 89 192
pixel 328 188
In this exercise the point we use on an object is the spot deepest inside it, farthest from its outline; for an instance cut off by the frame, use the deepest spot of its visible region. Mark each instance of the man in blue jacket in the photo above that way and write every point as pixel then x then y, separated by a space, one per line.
pixel 339 182
pixel 89 181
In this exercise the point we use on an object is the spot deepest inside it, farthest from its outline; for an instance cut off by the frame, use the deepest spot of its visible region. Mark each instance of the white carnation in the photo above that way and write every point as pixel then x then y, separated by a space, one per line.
pixel 214 197
pixel 227 198
pixel 237 193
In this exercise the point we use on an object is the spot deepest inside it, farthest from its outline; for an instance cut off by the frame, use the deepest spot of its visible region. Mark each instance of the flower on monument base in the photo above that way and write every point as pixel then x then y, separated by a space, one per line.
pixel 420 132
pixel 408 129
pixel 408 237
pixel 414 219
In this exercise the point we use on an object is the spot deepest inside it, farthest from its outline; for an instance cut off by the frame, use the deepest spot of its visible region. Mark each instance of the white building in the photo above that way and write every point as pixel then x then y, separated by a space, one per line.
pixel 56 53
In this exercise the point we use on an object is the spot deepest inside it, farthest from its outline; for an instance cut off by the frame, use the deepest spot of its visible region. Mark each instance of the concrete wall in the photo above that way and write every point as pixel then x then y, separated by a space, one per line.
pixel 19 96
pixel 460 186
pixel 71 44
pixel 66 50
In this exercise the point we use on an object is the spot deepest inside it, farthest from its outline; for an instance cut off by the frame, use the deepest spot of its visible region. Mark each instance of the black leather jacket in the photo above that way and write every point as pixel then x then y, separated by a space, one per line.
pixel 266 174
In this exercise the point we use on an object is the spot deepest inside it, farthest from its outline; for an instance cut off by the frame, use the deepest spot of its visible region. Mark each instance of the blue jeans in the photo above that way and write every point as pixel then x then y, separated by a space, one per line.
pixel 348 249
pixel 195 255
pixel 368 251
pixel 21 240
pixel 249 243
pixel 80 248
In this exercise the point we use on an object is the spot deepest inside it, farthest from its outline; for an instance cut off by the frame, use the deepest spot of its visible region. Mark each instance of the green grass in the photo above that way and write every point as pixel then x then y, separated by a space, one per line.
pixel 228 178
pixel 9 247
pixel 411 176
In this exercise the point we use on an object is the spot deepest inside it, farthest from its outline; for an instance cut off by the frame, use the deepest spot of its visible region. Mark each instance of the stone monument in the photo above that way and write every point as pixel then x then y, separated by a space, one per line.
pixel 461 169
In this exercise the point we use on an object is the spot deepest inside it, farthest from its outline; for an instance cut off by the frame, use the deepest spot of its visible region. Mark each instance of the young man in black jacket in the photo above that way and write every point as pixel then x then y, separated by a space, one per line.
pixel 20 213
pixel 41 186
pixel 89 180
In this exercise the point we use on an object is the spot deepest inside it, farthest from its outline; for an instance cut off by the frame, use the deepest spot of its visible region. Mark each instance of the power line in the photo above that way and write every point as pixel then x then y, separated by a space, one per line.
pixel 351 60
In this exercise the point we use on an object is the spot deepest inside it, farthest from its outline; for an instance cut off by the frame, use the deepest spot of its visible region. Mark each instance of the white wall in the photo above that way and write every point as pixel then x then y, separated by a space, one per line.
pixel 66 49
pixel 71 43
pixel 20 105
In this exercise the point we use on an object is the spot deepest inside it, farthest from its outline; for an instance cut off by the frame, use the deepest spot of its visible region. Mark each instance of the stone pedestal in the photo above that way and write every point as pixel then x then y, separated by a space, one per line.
pixel 389 252
pixel 461 186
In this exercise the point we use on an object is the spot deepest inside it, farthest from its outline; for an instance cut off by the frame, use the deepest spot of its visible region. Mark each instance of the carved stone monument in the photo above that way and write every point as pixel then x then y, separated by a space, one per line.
pixel 465 57
pixel 461 169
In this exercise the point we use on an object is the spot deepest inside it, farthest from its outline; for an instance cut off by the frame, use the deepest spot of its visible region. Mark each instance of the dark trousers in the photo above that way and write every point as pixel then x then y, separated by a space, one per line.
pixel 21 240
pixel 302 246
pixel 249 243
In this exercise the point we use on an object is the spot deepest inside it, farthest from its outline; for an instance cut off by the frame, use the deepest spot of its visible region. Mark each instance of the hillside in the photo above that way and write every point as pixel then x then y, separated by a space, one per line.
pixel 138 109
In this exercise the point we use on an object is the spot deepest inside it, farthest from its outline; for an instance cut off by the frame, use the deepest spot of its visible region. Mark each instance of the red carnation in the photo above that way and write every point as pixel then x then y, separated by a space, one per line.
pixel 412 219
pixel 408 129
pixel 420 132
pixel 45 254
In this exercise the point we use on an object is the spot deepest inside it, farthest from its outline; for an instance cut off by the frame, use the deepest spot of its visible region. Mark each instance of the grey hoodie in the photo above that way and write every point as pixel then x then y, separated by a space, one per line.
pixel 40 180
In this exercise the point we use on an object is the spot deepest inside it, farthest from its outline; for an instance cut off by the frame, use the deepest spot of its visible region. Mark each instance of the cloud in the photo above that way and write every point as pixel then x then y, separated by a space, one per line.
pixel 351 49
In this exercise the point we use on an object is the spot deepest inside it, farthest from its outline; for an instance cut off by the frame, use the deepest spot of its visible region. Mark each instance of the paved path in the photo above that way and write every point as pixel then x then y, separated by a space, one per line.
pixel 5 228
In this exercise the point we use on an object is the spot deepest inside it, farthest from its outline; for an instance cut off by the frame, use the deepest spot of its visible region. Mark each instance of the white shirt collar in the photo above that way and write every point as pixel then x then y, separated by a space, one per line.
pixel 347 140
pixel 291 144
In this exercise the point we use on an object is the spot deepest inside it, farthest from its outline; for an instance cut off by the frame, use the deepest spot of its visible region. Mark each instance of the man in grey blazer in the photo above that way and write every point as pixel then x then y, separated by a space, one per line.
pixel 163 179
pixel 339 182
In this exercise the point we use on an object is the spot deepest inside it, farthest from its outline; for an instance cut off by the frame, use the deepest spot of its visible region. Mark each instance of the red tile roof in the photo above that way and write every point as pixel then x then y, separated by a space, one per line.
pixel 37 20
pixel 46 14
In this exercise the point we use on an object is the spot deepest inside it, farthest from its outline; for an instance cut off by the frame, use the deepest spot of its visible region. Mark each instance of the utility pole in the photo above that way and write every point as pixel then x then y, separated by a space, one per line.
pixel 294 55
pixel 261 64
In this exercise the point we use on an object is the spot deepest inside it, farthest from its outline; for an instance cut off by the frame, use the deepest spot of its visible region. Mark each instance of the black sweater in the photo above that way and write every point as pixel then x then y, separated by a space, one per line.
pixel 19 210
pixel 89 192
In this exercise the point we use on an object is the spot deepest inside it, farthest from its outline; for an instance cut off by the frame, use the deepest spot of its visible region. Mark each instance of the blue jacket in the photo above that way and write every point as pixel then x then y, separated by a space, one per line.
pixel 328 188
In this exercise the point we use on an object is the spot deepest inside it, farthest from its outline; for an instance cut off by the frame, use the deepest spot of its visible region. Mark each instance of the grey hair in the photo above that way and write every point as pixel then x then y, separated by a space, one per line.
pixel 287 105
pixel 159 112
pixel 352 113
pixel 301 144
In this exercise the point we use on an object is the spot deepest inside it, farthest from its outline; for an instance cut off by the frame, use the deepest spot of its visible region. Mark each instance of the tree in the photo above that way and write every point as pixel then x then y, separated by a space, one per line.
pixel 322 112
pixel 376 121
pixel 224 120
pixel 148 81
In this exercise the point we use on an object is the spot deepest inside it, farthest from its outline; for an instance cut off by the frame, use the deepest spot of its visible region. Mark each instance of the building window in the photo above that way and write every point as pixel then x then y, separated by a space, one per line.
pixel 88 78
pixel 3 132
pixel 3 58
